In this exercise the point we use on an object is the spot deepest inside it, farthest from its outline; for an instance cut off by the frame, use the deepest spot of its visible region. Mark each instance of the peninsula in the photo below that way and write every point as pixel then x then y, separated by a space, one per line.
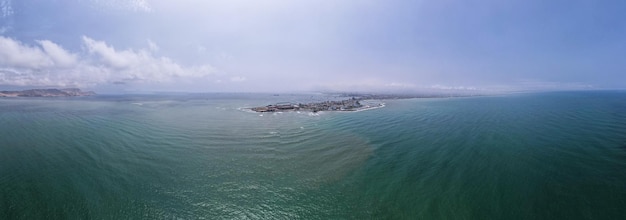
pixel 46 93
pixel 352 104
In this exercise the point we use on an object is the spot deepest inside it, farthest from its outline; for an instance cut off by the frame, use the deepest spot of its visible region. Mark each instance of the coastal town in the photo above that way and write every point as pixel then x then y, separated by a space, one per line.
pixel 351 104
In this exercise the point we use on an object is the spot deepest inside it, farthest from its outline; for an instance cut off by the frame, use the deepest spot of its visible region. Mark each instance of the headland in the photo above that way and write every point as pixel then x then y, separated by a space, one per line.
pixel 352 102
pixel 46 93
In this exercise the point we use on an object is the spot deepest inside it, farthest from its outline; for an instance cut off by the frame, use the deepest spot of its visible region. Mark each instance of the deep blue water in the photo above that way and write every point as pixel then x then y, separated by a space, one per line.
pixel 558 155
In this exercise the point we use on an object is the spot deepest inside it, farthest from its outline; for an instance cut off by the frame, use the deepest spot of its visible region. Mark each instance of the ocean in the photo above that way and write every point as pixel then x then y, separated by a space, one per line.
pixel 552 155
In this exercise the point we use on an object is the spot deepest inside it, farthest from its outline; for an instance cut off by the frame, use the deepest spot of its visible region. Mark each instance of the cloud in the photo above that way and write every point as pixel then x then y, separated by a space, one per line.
pixel 48 64
pixel 141 65
pixel 132 5
pixel 444 87
pixel 108 55
pixel 6 9
pixel 530 84
pixel 201 49
pixel 57 54
pixel 15 54
pixel 237 79
pixel 6 12
pixel 400 85
pixel 153 46
pixel 366 85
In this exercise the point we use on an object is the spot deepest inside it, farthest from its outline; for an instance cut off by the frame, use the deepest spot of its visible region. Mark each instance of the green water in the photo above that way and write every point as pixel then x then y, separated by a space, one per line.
pixel 555 155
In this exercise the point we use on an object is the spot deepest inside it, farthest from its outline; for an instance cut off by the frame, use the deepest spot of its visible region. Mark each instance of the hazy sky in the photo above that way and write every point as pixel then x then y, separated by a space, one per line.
pixel 302 45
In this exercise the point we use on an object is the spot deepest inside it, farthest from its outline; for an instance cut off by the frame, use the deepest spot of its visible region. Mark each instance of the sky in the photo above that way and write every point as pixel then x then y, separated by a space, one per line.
pixel 122 46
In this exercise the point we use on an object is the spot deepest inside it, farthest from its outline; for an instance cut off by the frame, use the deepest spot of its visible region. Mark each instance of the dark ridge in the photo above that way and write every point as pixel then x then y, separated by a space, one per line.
pixel 46 93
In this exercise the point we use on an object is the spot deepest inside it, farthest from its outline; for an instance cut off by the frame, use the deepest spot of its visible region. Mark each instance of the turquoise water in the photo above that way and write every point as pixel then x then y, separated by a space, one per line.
pixel 558 155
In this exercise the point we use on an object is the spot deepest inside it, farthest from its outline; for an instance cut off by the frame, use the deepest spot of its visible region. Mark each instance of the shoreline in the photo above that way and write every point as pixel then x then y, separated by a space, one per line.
pixel 315 108
pixel 380 105
pixel 351 104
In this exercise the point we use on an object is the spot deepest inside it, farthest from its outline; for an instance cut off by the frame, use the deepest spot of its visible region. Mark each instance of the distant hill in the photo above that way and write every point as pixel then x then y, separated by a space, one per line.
pixel 46 93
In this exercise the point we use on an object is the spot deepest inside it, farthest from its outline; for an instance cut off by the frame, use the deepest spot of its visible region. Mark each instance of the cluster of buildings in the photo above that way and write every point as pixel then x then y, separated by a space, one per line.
pixel 343 105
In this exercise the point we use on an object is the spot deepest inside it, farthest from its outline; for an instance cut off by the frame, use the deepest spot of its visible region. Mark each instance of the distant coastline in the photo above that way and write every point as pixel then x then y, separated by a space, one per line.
pixel 46 93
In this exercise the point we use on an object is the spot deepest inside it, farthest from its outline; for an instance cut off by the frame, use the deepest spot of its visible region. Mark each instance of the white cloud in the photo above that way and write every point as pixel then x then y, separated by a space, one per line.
pixel 108 55
pixel 132 5
pixel 48 64
pixel 6 9
pixel 533 84
pixel 400 85
pixel 57 54
pixel 201 49
pixel 141 65
pixel 237 79
pixel 366 85
pixel 15 54
pixel 153 46
pixel 443 87
pixel 139 5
